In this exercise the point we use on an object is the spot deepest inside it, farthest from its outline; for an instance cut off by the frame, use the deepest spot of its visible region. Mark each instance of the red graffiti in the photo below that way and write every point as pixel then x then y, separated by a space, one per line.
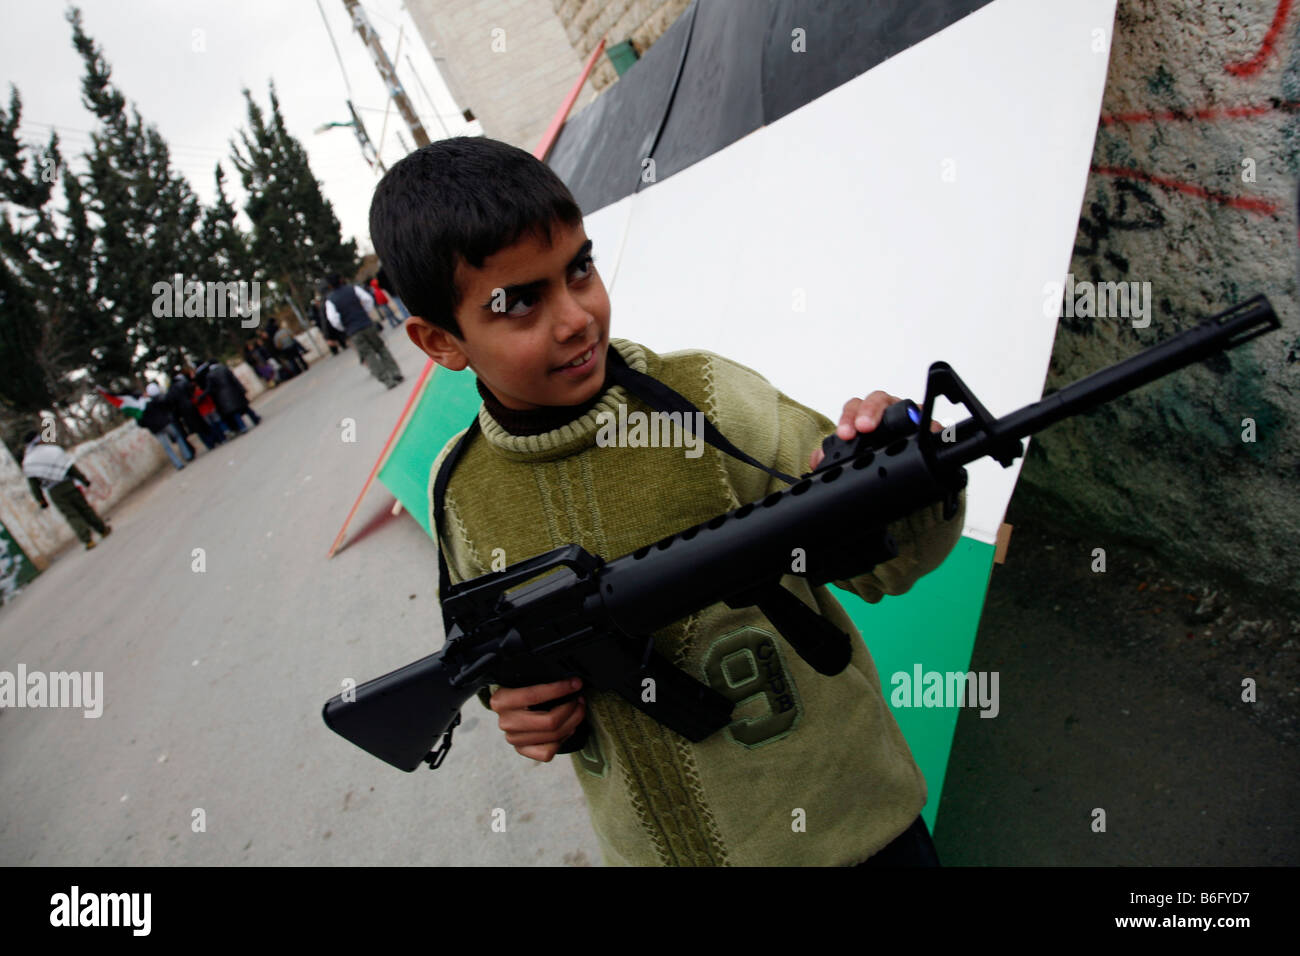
pixel 1212 114
pixel 1236 202
pixel 1256 63
pixel 1209 114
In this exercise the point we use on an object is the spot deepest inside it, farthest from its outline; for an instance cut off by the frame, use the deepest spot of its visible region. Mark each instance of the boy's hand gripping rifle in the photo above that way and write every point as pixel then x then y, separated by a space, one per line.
pixel 591 618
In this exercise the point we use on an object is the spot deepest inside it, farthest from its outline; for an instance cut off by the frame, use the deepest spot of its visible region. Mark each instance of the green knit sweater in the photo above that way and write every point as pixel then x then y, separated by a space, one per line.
pixel 813 770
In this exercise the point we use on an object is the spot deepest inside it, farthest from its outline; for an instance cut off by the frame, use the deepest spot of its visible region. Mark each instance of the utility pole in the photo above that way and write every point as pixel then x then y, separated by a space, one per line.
pixel 367 147
pixel 386 70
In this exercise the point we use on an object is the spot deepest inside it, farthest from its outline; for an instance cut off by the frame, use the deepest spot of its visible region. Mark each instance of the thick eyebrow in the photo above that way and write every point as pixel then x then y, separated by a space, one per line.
pixel 537 284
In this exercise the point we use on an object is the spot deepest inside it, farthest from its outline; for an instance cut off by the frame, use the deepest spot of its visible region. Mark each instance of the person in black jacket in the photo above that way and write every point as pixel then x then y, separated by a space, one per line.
pixel 186 415
pixel 157 417
pixel 258 359
pixel 346 309
pixel 229 395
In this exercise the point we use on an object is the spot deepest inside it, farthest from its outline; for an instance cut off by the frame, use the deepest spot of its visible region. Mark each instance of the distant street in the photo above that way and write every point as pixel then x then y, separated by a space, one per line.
pixel 214 681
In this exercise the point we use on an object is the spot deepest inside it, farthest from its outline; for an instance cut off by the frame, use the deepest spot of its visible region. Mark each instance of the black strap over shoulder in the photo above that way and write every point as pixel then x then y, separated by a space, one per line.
pixel 439 498
pixel 662 398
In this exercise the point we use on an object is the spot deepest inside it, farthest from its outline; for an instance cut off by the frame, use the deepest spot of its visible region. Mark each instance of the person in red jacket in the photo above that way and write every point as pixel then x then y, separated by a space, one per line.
pixel 382 306
pixel 205 406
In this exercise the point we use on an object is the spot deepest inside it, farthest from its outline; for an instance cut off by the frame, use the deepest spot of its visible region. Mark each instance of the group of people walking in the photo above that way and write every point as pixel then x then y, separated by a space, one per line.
pixel 275 358
pixel 212 403
pixel 209 402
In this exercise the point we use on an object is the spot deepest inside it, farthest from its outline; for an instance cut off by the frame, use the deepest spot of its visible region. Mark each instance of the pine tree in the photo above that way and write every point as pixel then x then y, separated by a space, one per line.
pixel 226 250
pixel 147 216
pixel 48 323
pixel 296 236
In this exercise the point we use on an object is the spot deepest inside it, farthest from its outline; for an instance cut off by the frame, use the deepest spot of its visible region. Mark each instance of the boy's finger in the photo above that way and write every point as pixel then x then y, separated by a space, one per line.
pixel 513 698
pixel 556 734
pixel 529 721
pixel 871 410
pixel 845 429
pixel 544 753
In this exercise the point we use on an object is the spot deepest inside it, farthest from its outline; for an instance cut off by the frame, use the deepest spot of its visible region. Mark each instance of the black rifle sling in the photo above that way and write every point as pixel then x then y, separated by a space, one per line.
pixel 663 399
pixel 439 497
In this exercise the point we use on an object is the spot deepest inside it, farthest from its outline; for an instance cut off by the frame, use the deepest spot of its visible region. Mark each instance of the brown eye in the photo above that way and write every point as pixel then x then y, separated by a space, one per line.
pixel 527 297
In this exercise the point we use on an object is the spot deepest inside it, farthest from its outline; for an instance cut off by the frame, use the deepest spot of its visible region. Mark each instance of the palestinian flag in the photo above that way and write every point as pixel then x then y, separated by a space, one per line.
pixel 128 405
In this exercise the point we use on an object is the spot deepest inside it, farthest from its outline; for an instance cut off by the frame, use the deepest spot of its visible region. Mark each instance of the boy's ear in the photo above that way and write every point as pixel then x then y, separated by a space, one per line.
pixel 437 343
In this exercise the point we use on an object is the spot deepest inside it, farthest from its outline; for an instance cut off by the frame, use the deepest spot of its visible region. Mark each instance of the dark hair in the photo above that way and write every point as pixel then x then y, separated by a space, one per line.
pixel 334 281
pixel 29 438
pixel 464 198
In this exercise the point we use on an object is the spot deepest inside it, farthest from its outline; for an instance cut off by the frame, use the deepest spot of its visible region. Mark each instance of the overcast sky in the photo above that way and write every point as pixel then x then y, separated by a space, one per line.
pixel 184 65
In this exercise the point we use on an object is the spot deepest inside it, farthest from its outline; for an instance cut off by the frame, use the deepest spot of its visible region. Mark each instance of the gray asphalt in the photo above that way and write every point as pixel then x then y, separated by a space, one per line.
pixel 214 681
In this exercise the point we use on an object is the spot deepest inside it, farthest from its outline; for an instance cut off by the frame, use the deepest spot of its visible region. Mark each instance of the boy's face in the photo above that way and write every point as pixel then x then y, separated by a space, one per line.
pixel 531 309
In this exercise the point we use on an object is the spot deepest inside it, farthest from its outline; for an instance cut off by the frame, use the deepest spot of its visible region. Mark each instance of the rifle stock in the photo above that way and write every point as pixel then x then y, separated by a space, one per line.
pixel 400 716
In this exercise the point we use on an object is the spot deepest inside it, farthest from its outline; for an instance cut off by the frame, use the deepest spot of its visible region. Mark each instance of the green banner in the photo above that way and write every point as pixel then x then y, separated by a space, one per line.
pixel 16 569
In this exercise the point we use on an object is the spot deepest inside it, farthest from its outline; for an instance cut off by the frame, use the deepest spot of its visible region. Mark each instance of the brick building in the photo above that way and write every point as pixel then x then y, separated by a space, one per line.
pixel 512 62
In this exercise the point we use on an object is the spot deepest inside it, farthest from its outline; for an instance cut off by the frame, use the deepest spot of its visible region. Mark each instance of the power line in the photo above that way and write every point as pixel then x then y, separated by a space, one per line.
pixel 337 56
pixel 88 132
pixel 427 97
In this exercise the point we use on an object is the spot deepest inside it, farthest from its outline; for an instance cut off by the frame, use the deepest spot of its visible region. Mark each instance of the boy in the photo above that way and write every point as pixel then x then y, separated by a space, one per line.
pixel 486 247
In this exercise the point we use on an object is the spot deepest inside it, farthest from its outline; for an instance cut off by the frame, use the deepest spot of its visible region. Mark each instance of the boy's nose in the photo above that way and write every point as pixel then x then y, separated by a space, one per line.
pixel 572 320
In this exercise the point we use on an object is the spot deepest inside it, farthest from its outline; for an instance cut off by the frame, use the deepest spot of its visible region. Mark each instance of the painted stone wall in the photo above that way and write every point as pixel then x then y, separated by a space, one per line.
pixel 1194 190
pixel 116 464
pixel 641 21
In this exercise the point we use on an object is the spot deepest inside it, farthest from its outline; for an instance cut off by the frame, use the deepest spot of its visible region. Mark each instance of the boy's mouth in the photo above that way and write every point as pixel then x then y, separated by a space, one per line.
pixel 579 361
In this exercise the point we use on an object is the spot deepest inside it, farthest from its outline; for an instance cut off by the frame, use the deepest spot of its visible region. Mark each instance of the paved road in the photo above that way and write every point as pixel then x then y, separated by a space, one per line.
pixel 214 681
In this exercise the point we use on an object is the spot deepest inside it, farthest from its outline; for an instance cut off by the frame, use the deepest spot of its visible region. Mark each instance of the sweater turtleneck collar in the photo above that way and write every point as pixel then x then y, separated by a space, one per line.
pixel 553 432
pixel 539 420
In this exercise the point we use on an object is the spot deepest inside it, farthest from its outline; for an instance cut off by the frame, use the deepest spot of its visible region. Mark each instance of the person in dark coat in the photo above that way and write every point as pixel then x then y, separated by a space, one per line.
pixel 157 417
pixel 258 359
pixel 333 337
pixel 229 394
pixel 207 408
pixel 186 415
pixel 346 308
pixel 289 350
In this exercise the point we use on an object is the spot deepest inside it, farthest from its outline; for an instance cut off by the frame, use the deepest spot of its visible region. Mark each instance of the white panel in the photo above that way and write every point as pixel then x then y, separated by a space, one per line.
pixel 845 200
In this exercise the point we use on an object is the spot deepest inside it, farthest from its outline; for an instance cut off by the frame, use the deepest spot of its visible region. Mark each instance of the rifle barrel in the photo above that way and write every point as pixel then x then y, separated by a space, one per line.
pixel 1226 330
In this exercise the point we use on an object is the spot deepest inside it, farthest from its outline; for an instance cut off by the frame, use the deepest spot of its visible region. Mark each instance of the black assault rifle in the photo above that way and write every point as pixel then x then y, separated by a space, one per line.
pixel 589 618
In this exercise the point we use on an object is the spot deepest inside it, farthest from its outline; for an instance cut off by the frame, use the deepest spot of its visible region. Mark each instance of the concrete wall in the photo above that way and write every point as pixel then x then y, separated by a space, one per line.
pixel 507 60
pixel 115 463
pixel 641 21
pixel 515 92
pixel 1198 97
